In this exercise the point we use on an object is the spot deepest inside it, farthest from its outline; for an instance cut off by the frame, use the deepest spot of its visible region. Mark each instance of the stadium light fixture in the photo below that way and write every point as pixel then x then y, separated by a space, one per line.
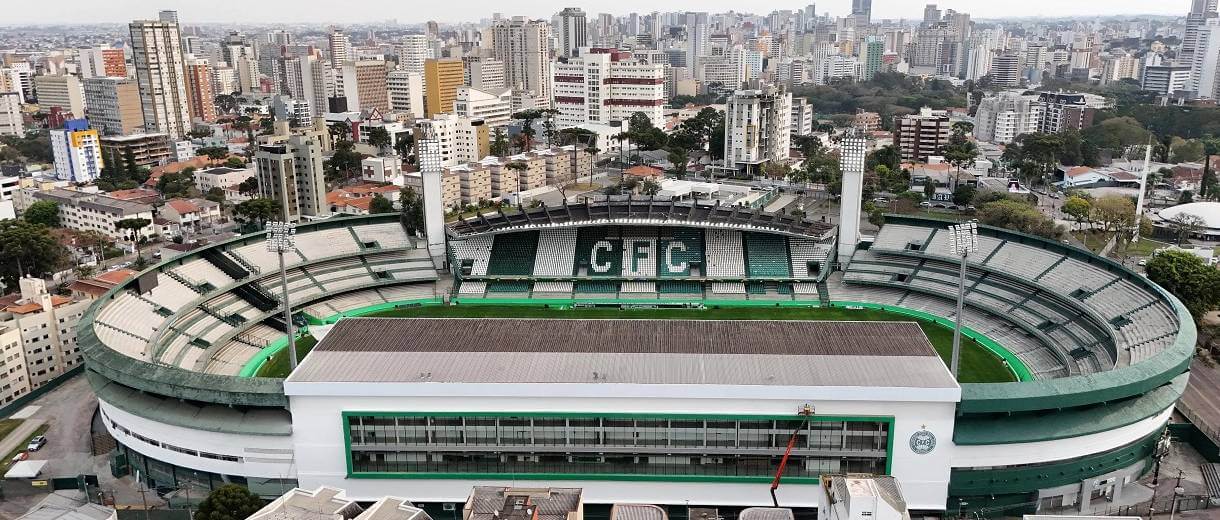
pixel 963 240
pixel 430 159
pixel 281 238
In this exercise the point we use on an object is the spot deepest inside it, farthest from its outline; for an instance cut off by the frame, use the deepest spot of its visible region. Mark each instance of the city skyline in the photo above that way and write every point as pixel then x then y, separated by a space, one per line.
pixel 312 11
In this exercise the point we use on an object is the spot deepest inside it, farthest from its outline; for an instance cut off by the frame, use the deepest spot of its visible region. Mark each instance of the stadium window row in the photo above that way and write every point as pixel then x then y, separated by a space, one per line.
pixel 574 445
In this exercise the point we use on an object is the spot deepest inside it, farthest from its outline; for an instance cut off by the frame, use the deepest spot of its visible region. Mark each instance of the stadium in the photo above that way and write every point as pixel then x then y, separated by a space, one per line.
pixel 486 362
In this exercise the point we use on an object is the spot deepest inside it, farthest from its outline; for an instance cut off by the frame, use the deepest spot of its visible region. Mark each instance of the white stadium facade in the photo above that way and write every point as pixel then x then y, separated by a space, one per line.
pixel 667 412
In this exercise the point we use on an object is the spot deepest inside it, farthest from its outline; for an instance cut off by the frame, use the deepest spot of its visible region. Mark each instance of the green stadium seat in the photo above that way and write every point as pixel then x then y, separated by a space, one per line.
pixel 767 256
pixel 609 258
pixel 677 250
pixel 512 254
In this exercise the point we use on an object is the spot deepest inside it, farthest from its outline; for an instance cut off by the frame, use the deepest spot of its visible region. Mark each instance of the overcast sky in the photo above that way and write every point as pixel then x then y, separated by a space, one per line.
pixel 413 11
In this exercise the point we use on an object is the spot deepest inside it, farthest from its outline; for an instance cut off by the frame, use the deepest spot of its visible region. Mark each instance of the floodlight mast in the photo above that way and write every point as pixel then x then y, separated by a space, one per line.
pixel 963 240
pixel 281 238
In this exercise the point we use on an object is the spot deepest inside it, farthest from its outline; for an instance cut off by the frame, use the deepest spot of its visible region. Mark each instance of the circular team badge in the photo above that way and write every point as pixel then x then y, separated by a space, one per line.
pixel 923 442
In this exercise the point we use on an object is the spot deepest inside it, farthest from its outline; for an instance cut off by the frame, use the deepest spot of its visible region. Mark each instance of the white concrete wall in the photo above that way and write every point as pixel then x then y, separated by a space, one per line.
pixel 319 433
pixel 1049 451
pixel 265 456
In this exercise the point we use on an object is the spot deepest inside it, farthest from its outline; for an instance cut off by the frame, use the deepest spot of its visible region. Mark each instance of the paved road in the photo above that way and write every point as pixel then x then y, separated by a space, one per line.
pixel 68 411
pixel 17 437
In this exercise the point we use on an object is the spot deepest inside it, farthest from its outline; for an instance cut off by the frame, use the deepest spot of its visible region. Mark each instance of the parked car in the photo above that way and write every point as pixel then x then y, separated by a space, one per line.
pixel 20 456
pixel 37 443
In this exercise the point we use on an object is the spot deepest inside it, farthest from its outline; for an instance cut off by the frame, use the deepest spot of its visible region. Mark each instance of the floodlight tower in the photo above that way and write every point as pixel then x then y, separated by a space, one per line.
pixel 431 166
pixel 963 240
pixel 281 238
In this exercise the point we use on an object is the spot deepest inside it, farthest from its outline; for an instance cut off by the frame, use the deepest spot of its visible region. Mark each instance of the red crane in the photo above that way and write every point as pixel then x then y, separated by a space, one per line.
pixel 806 412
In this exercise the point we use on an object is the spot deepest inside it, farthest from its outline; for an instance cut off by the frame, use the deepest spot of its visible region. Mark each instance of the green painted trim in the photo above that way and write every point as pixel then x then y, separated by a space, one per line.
pixel 1032 477
pixel 347 445
pixel 1018 367
pixel 582 476
pixel 256 363
pixel 623 301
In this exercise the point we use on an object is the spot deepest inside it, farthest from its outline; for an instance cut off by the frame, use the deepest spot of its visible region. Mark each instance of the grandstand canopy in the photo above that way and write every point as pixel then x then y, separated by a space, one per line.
pixel 640 212
pixel 748 352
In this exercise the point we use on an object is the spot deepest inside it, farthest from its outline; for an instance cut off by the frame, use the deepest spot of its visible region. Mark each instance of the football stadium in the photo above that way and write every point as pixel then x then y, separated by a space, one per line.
pixel 482 354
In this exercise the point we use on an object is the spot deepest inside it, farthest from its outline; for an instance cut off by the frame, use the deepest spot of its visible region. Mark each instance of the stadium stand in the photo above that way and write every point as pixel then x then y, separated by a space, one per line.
pixel 725 258
pixel 767 256
pixel 556 252
pixel 512 254
pixel 599 252
pixel 473 253
pixel 679 250
pixel 807 256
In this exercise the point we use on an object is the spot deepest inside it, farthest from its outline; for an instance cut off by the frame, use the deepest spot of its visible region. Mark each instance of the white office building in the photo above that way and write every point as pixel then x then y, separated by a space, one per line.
pixel 495 107
pixel 406 92
pixel 758 129
pixel 604 86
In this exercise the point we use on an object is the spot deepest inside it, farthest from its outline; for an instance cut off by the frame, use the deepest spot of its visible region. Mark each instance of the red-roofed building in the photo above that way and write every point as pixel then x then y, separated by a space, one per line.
pixel 355 200
pixel 138 195
pixel 644 171
pixel 92 288
pixel 191 214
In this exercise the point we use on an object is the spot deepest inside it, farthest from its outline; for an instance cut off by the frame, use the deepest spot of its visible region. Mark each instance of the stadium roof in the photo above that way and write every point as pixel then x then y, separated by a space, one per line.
pixel 648 352
pixel 642 212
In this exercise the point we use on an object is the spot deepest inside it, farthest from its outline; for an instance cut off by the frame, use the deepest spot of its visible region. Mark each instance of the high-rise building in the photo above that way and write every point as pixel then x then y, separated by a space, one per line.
pixel 60 92
pixel 442 77
pixel 862 10
pixel 10 114
pixel 1205 63
pixel 1165 79
pixel 802 117
pixel 200 98
pixel 524 47
pixel 1201 12
pixel 77 152
pixel 494 107
pixel 158 60
pixel 406 92
pixel 572 31
pixel 484 73
pixel 413 50
pixel 1006 70
pixel 1004 116
pixel 288 166
pixel 304 79
pixel 1065 111
pixel 870 57
pixel 363 83
pixel 931 14
pixel 698 44
pixel 758 129
pixel 102 61
pixel 340 48
pixel 922 135
pixel 112 105
pixel 604 85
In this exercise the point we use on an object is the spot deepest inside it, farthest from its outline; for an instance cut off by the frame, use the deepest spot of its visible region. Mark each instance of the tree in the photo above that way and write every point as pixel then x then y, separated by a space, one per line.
pixel 380 204
pixel 929 189
pixel 379 138
pixel 678 157
pixel 95 241
pixel 592 151
pixel 235 163
pixel 340 131
pixel 132 226
pixel 1115 212
pixel 27 248
pixel 527 118
pixel 412 216
pixel 1018 216
pixel 1208 185
pixel 258 210
pixel 213 153
pixel 404 144
pixel 1189 278
pixel 43 212
pixel 961 151
pixel 177 184
pixel 887 156
pixel 518 167
pixel 344 162
pixel 215 194
pixel 1184 224
pixel 650 187
pixel 229 502
pixel 247 124
pixel 227 103
pixel 1079 208
pixel 964 194
pixel 1186 151
pixel 248 186
pixel 499 143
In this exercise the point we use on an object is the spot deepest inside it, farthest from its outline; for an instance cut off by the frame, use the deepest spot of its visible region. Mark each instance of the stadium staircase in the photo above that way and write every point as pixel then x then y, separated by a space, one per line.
pixel 260 299
pixel 245 263
pixel 198 287
pixel 226 265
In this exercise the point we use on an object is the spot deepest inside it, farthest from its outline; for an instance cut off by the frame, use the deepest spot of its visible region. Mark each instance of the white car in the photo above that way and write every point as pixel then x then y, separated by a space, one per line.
pixel 36 443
